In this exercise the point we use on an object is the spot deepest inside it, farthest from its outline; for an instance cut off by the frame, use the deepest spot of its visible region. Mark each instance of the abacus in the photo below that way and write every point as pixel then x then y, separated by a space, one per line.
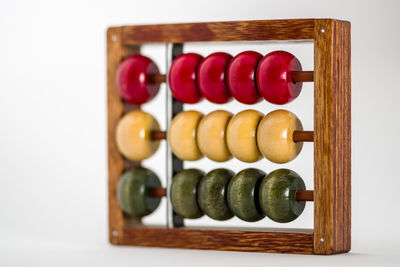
pixel 134 135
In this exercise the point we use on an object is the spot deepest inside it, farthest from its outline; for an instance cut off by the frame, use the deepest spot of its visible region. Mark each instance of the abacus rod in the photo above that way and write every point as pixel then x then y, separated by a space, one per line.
pixel 158 192
pixel 158 78
pixel 298 136
pixel 158 135
pixel 302 76
pixel 305 195
pixel 297 76
pixel 303 136
pixel 301 195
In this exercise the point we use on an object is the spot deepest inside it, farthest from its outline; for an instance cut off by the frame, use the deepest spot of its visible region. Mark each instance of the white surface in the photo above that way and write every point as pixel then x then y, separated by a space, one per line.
pixel 52 127
pixel 98 254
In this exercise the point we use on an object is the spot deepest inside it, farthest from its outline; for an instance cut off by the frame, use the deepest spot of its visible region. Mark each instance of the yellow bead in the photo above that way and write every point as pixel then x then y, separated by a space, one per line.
pixel 133 135
pixel 275 136
pixel 211 135
pixel 241 135
pixel 182 135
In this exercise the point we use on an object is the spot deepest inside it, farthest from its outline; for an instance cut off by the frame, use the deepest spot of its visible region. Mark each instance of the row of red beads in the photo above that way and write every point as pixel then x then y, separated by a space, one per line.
pixel 247 77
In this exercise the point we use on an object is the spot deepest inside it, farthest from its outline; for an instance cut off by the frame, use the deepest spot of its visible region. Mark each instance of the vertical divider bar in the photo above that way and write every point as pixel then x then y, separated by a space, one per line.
pixel 168 154
pixel 332 141
pixel 173 107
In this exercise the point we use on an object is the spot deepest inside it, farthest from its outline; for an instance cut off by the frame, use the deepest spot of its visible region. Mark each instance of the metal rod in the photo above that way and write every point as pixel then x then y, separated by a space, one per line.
pixel 174 164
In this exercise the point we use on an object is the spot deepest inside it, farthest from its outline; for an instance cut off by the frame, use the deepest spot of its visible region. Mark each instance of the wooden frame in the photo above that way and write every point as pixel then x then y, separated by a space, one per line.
pixel 332 129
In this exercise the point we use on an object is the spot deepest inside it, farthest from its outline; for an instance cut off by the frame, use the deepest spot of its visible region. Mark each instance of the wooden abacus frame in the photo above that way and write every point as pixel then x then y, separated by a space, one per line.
pixel 332 141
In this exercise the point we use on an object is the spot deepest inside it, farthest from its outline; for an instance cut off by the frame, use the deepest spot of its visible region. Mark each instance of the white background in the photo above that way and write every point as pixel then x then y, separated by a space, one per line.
pixel 53 189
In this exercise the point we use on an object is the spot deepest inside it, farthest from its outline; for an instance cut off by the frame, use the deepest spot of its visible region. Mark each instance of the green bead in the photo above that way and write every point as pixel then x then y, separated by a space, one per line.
pixel 183 193
pixel 278 195
pixel 212 194
pixel 243 194
pixel 133 192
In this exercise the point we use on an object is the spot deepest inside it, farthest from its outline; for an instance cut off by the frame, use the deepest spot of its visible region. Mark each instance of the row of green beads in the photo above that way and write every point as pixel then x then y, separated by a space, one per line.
pixel 250 195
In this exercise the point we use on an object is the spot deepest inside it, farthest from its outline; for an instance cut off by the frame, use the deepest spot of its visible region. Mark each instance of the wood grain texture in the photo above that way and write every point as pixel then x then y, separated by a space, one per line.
pixel 294 29
pixel 233 240
pixel 115 53
pixel 332 126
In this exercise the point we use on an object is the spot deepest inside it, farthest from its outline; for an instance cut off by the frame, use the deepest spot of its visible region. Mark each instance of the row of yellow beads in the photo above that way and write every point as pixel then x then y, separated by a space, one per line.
pixel 219 135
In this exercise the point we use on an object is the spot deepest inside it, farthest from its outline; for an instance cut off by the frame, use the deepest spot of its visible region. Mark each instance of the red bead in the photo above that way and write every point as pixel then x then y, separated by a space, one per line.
pixel 182 78
pixel 240 77
pixel 274 77
pixel 133 79
pixel 211 78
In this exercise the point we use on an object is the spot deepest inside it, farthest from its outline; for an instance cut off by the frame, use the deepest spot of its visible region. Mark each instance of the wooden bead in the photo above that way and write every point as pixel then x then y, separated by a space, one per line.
pixel 133 79
pixel 182 78
pixel 275 136
pixel 241 135
pixel 183 193
pixel 211 78
pixel 242 194
pixel 274 77
pixel 212 193
pixel 240 77
pixel 278 195
pixel 182 135
pixel 211 135
pixel 133 135
pixel 133 192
